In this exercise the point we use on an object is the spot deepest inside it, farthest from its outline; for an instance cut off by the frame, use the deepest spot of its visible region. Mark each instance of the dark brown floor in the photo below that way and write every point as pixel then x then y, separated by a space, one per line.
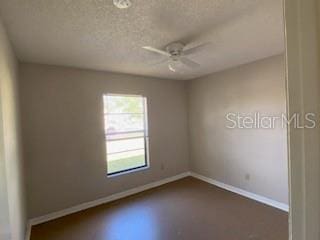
pixel 187 209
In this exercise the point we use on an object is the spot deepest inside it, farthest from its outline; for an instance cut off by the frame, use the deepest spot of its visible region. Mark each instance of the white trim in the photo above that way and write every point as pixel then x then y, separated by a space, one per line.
pixel 241 192
pixel 112 175
pixel 116 196
pixel 5 236
pixel 28 232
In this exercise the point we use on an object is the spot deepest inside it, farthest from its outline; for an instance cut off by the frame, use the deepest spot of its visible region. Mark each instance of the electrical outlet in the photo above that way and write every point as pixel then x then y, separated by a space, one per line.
pixel 162 166
pixel 247 177
pixel 253 237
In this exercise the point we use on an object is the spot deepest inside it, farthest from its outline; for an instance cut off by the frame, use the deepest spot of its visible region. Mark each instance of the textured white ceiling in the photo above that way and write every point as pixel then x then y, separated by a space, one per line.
pixel 93 34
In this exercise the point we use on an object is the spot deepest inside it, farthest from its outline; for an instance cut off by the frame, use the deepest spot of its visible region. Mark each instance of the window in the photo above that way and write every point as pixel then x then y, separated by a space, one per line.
pixel 126 132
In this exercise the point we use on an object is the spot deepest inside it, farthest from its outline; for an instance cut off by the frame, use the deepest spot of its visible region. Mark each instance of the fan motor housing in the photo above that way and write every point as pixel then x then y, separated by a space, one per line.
pixel 175 49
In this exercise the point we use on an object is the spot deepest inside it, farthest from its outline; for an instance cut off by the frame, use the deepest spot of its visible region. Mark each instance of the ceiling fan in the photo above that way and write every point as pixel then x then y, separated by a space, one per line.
pixel 176 55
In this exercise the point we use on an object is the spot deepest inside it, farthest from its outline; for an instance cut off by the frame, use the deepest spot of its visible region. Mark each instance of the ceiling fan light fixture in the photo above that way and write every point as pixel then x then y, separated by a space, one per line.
pixel 177 56
pixel 122 4
pixel 171 68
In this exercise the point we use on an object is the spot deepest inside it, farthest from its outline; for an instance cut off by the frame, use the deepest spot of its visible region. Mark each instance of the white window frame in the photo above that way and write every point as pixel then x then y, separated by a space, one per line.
pixel 145 137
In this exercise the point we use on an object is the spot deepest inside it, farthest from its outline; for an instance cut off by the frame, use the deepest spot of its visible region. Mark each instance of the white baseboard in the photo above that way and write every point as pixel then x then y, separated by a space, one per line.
pixel 83 206
pixel 241 192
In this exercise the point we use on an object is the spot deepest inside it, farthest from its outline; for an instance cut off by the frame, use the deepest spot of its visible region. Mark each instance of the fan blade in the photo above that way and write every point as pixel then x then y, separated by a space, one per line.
pixel 195 49
pixel 189 63
pixel 152 49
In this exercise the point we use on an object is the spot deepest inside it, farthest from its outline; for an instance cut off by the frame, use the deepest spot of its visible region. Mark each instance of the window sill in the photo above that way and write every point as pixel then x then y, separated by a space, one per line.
pixel 111 175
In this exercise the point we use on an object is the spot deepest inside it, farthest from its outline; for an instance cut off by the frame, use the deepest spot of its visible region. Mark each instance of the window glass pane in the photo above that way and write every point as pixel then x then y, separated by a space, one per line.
pixel 124 123
pixel 125 145
pixel 124 104
pixel 125 131
pixel 119 136
pixel 122 161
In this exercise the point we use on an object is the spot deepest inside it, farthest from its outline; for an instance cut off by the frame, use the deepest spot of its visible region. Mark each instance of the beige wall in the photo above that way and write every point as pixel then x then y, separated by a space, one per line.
pixel 62 116
pixel 64 140
pixel 232 156
pixel 12 209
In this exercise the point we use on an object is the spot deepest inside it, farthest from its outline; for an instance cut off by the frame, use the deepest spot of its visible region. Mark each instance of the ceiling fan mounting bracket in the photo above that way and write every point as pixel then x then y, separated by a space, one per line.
pixel 175 49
